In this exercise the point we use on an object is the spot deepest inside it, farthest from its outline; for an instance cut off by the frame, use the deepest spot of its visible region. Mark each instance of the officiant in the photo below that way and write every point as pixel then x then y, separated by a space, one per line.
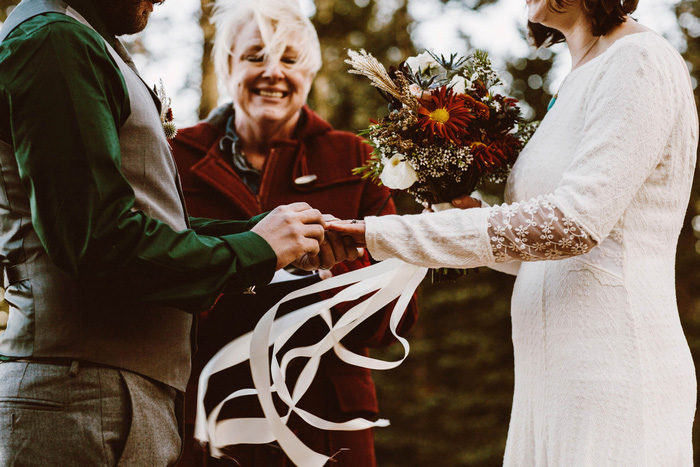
pixel 263 149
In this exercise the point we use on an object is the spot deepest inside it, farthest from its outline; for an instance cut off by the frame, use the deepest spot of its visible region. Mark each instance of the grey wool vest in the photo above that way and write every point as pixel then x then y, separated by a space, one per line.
pixel 52 315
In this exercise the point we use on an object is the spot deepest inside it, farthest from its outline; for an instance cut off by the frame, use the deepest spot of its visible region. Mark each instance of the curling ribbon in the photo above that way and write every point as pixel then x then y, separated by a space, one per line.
pixel 383 282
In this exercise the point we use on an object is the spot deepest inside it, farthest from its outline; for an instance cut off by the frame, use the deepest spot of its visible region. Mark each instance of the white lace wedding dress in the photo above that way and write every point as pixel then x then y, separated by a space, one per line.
pixel 603 373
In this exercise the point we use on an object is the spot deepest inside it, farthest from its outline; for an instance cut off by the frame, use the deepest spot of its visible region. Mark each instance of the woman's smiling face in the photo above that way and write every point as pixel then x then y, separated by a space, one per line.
pixel 266 91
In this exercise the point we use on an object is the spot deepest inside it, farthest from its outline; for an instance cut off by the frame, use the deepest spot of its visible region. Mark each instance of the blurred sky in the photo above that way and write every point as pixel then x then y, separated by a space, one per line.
pixel 173 39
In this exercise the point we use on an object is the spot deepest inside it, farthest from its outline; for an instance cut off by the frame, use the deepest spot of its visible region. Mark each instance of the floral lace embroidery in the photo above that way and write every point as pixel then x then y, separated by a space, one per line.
pixel 535 230
pixel 609 255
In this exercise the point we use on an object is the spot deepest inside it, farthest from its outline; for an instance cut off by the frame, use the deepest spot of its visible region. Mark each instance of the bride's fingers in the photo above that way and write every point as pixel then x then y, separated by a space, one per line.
pixel 357 233
pixel 466 202
pixel 347 225
pixel 353 237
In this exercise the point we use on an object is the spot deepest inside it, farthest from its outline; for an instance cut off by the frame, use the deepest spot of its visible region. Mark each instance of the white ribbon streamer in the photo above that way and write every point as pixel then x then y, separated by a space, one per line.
pixel 383 282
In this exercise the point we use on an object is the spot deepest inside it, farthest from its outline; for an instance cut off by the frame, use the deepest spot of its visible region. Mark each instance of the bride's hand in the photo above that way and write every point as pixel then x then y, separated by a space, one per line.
pixel 351 230
pixel 466 202
pixel 460 202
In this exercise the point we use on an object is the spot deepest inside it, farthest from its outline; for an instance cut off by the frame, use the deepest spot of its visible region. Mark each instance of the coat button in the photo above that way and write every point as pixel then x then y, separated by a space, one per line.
pixel 305 179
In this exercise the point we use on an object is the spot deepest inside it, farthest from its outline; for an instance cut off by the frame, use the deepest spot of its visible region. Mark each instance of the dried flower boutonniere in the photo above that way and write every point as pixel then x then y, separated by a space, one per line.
pixel 166 112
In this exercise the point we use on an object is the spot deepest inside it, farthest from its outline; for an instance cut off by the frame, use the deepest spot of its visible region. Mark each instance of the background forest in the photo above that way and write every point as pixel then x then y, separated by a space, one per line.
pixel 449 402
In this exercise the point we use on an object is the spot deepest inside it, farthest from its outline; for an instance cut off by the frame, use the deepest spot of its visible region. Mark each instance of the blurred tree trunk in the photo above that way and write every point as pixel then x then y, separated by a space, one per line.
pixel 5 8
pixel 210 93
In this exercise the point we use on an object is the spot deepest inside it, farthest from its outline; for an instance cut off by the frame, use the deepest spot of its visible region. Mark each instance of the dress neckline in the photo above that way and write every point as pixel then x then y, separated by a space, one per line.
pixel 594 60
pixel 607 51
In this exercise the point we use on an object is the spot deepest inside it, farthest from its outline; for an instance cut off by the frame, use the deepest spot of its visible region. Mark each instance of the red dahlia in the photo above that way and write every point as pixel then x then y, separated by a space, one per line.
pixel 444 116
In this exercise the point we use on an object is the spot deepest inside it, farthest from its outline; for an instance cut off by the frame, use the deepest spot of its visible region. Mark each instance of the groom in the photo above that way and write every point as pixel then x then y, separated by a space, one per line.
pixel 102 267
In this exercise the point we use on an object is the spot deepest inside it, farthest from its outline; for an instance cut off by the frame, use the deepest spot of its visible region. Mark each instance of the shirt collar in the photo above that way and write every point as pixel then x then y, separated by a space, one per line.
pixel 90 10
pixel 230 143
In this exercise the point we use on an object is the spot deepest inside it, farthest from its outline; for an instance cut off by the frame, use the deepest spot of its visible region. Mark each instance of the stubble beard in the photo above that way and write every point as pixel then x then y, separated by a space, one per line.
pixel 125 17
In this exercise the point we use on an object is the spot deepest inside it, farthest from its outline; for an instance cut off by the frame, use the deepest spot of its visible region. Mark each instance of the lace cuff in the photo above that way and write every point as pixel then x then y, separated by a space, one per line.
pixel 535 230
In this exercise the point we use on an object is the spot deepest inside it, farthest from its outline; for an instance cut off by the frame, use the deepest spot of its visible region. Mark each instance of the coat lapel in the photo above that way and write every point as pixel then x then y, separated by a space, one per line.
pixel 213 170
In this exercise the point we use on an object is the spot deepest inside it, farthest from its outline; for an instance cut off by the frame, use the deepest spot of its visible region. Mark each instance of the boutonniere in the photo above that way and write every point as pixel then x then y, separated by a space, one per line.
pixel 166 112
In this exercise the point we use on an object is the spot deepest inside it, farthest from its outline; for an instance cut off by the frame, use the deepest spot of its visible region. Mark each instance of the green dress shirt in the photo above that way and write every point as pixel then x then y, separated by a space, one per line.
pixel 62 103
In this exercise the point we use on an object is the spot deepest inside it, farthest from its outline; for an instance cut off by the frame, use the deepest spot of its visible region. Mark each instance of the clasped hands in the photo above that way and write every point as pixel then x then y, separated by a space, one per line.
pixel 354 230
pixel 303 236
pixel 297 234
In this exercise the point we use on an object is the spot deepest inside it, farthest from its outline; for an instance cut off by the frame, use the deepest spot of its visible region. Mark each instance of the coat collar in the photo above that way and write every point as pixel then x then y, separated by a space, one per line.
pixel 310 124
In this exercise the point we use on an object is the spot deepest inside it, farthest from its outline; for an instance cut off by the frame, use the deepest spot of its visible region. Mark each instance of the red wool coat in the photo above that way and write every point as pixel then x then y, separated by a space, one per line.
pixel 213 189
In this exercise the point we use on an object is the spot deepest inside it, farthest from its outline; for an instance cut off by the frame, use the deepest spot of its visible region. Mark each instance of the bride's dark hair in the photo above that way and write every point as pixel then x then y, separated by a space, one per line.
pixel 602 14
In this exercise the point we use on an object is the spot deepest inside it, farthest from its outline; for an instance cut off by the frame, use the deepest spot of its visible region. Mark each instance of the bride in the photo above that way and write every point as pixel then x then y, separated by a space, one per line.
pixel 596 201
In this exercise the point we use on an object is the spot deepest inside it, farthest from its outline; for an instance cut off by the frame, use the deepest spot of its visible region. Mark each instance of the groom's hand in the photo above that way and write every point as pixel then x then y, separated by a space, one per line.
pixel 292 230
pixel 466 202
pixel 460 202
pixel 334 249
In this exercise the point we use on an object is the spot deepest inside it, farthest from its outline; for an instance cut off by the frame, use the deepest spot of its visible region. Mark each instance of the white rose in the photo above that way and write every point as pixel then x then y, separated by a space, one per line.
pixel 398 174
pixel 415 90
pixel 423 62
pixel 459 84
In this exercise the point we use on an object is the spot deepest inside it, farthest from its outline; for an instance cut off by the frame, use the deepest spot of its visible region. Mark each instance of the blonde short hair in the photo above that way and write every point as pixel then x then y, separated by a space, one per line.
pixel 277 20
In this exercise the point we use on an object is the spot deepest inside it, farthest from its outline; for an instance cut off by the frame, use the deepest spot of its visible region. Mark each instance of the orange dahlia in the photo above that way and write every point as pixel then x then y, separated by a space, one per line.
pixel 442 115
pixel 488 157
pixel 479 109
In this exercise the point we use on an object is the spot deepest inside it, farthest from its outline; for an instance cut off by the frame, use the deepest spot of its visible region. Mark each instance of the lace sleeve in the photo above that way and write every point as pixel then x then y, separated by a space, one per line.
pixel 535 230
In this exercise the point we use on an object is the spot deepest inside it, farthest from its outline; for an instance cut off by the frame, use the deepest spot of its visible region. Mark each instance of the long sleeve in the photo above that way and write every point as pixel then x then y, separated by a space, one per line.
pixel 219 228
pixel 535 230
pixel 64 118
pixel 627 124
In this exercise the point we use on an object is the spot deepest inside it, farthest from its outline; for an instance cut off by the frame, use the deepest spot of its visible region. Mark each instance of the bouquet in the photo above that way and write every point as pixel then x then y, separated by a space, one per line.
pixel 447 131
